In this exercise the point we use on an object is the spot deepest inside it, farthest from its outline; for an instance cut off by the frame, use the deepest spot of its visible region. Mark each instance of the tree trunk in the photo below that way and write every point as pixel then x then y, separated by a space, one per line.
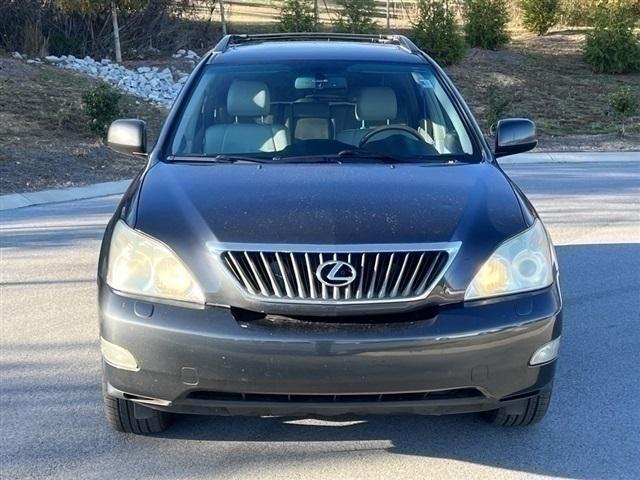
pixel 388 14
pixel 116 31
pixel 222 19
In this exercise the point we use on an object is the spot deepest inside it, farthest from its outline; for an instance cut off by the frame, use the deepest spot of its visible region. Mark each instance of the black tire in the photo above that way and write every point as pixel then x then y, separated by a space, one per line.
pixel 532 411
pixel 121 417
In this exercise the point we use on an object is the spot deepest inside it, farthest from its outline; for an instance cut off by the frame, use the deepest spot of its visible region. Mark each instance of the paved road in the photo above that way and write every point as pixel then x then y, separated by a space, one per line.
pixel 50 411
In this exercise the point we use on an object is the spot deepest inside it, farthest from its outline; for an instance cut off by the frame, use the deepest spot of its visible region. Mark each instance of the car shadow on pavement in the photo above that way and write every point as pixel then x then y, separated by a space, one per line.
pixel 588 431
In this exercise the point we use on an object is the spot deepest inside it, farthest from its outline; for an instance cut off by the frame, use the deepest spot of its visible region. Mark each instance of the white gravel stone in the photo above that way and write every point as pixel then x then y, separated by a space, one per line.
pixel 149 83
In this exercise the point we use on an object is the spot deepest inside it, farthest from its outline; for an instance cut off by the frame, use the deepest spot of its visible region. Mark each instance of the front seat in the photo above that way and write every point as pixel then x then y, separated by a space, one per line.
pixel 374 104
pixel 246 100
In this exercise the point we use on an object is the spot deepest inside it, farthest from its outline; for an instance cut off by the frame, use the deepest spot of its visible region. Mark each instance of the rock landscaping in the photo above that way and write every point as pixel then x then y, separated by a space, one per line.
pixel 161 86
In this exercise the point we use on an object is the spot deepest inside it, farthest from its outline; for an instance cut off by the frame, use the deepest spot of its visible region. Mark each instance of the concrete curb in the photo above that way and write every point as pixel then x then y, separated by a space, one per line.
pixel 570 157
pixel 20 200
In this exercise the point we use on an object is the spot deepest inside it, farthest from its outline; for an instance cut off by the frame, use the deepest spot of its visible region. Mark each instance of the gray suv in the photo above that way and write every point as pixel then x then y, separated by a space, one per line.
pixel 321 228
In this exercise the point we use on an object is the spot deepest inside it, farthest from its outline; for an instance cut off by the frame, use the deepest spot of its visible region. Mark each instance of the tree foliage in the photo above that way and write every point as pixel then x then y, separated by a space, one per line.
pixel 437 32
pixel 538 16
pixel 297 16
pixel 486 23
pixel 356 16
pixel 89 7
pixel 612 46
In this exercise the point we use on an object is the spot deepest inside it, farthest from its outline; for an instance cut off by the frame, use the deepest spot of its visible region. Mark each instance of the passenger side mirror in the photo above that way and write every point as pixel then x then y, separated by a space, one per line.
pixel 128 136
pixel 515 135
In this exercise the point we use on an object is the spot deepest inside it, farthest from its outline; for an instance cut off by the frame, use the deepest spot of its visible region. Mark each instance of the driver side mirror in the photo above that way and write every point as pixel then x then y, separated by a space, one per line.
pixel 128 136
pixel 515 135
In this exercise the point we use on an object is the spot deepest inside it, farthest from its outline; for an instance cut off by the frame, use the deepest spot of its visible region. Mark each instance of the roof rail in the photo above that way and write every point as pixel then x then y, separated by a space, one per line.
pixel 236 39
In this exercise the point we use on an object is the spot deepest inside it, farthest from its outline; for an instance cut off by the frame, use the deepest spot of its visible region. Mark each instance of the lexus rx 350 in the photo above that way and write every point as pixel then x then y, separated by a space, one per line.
pixel 321 228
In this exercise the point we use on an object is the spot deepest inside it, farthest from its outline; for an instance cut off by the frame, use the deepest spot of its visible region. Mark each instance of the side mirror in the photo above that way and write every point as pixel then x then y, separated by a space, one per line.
pixel 515 135
pixel 128 136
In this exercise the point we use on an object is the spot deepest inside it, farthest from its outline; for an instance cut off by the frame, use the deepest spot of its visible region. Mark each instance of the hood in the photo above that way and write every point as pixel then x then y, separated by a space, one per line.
pixel 326 203
pixel 188 205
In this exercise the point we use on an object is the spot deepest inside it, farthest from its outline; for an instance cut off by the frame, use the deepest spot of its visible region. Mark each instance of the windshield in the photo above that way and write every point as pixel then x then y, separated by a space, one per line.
pixel 306 110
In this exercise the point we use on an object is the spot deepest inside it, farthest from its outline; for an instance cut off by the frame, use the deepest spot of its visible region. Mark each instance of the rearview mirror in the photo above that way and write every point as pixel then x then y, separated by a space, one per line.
pixel 515 135
pixel 128 136
pixel 323 83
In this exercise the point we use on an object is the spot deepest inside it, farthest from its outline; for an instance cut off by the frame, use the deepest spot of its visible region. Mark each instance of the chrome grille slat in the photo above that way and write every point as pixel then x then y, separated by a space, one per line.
pixel 296 271
pixel 336 290
pixel 290 275
pixel 274 284
pixel 383 288
pixel 256 275
pixel 407 289
pixel 396 287
pixel 347 292
pixel 363 260
pixel 239 269
pixel 372 286
pixel 285 275
pixel 323 287
pixel 430 268
pixel 311 276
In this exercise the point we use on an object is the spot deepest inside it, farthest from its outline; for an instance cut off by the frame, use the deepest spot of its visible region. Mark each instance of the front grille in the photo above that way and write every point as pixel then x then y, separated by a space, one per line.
pixel 452 394
pixel 377 276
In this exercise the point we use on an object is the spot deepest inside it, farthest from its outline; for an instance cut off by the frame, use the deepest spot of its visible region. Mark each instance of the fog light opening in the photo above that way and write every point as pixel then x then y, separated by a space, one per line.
pixel 546 353
pixel 117 356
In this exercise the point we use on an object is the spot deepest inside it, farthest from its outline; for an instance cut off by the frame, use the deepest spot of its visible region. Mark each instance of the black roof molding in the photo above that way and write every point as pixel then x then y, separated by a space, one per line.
pixel 238 39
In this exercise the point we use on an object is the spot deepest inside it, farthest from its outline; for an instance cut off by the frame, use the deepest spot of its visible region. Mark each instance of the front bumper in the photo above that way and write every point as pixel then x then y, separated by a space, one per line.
pixel 213 361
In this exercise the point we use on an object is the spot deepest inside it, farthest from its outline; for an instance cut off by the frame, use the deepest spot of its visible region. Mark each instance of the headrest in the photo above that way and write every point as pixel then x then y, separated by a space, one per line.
pixel 248 99
pixel 376 104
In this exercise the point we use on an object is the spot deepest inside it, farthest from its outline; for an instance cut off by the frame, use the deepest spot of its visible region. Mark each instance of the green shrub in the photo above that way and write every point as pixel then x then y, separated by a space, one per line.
pixel 498 102
pixel 297 16
pixel 577 13
pixel 486 23
pixel 625 104
pixel 538 16
pixel 356 16
pixel 102 106
pixel 437 32
pixel 612 46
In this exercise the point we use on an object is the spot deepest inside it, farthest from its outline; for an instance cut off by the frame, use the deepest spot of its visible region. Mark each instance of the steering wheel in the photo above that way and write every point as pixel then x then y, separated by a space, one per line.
pixel 401 128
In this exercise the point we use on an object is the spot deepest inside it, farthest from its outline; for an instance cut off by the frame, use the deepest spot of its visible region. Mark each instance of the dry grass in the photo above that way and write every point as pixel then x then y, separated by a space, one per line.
pixel 546 80
pixel 44 139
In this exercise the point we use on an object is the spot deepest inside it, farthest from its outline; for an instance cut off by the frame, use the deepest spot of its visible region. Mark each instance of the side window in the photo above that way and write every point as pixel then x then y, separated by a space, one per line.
pixel 441 124
pixel 184 140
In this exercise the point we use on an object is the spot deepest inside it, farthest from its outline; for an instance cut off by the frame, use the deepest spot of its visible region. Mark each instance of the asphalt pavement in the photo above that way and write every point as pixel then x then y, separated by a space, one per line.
pixel 51 423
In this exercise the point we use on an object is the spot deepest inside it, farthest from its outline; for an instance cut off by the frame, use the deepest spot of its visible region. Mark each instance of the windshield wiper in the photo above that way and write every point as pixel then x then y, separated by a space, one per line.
pixel 218 159
pixel 383 157
pixel 307 159
pixel 364 154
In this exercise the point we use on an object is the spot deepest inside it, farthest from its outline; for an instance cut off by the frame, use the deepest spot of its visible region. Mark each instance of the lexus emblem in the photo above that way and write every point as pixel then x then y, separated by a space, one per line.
pixel 336 273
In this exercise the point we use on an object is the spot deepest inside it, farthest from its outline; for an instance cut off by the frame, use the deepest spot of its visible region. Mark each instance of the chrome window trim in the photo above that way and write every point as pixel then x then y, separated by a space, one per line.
pixel 451 248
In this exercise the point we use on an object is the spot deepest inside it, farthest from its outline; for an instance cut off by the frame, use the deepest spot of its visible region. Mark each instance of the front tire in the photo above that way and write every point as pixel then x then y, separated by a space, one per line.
pixel 529 411
pixel 121 416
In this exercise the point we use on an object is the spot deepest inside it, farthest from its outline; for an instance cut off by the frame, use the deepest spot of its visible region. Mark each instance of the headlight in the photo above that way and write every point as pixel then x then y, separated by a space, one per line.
pixel 142 265
pixel 522 263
